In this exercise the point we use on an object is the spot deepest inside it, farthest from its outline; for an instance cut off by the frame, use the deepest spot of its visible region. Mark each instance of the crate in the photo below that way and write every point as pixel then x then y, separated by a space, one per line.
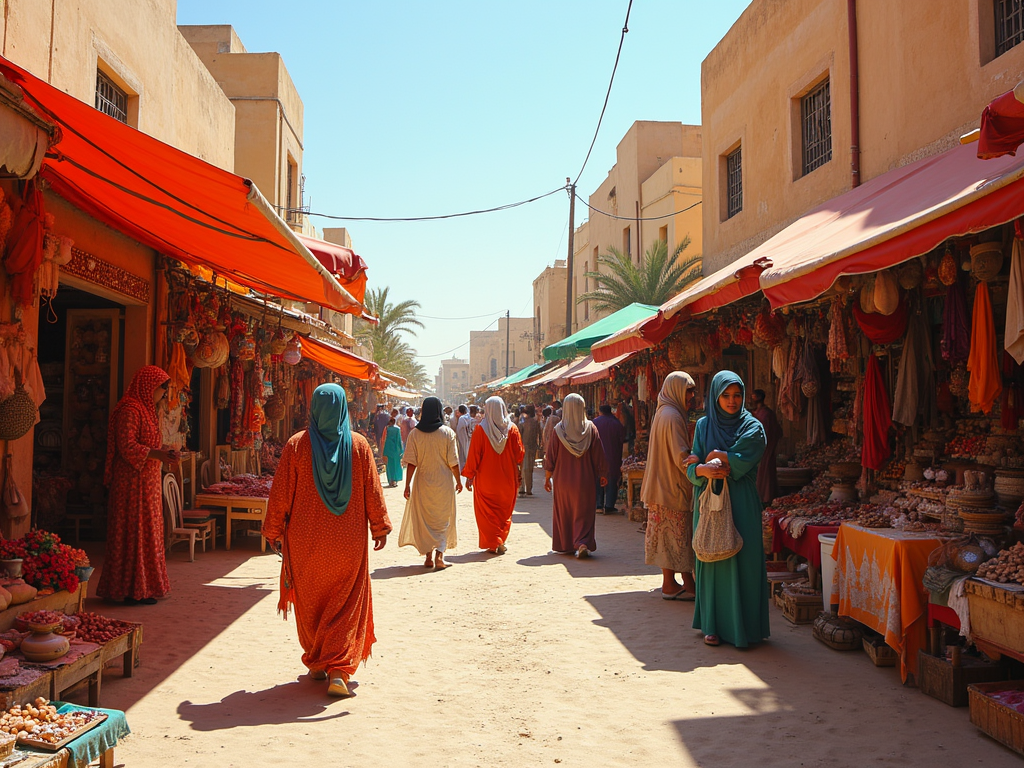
pixel 937 677
pixel 997 720
pixel 879 652
pixel 799 609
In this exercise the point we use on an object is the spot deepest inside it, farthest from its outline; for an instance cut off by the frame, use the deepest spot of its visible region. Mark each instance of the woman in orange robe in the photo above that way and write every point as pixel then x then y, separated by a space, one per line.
pixel 492 473
pixel 326 494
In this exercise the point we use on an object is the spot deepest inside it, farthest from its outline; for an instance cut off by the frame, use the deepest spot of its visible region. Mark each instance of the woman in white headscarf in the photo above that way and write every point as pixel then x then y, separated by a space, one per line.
pixel 492 474
pixel 667 492
pixel 574 460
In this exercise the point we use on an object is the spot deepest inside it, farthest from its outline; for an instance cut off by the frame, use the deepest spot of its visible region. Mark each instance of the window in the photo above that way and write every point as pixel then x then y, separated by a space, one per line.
pixel 734 182
pixel 110 99
pixel 291 214
pixel 627 242
pixel 494 368
pixel 1009 24
pixel 816 127
pixel 663 234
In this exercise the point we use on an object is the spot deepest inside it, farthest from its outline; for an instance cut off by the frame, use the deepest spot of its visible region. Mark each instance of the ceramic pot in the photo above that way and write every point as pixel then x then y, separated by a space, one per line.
pixel 11 567
pixel 44 645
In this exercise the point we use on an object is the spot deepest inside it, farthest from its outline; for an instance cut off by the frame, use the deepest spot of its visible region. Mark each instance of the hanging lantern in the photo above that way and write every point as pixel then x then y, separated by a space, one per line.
pixel 947 268
pixel 293 351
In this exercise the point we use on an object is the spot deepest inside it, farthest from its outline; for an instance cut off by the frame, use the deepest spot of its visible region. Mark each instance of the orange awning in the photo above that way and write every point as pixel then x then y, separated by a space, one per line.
pixel 336 359
pixel 594 370
pixel 173 202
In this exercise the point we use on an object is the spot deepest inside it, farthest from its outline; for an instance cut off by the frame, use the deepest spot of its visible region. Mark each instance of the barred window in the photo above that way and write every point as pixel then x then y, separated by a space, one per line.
pixel 734 182
pixel 110 99
pixel 1009 24
pixel 816 121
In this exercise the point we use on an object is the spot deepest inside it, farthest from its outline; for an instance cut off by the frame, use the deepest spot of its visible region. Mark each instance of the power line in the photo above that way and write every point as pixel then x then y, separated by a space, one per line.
pixel 471 317
pixel 439 354
pixel 634 218
pixel 422 218
pixel 618 53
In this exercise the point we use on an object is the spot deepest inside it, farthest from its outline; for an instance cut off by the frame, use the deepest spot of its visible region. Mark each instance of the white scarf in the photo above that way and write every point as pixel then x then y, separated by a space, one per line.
pixel 575 430
pixel 496 423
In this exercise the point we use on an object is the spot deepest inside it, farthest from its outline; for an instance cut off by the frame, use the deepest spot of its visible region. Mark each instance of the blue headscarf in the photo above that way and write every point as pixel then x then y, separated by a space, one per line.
pixel 721 430
pixel 331 437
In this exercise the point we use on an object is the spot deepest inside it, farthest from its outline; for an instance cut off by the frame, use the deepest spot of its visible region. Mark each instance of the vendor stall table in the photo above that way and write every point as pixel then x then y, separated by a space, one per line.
pixel 997 619
pixel 879 575
pixel 248 508
pixel 62 602
pixel 807 545
pixel 632 477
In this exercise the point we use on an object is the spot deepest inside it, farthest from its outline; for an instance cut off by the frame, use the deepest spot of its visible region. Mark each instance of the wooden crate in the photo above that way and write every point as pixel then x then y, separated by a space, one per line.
pixel 879 652
pixel 997 720
pixel 997 617
pixel 799 609
pixel 937 677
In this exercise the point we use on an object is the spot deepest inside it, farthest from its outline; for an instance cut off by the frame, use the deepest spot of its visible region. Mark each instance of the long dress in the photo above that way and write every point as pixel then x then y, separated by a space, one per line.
pixel 326 558
pixel 135 564
pixel 668 494
pixel 575 493
pixel 732 595
pixel 464 433
pixel 393 454
pixel 429 520
pixel 494 485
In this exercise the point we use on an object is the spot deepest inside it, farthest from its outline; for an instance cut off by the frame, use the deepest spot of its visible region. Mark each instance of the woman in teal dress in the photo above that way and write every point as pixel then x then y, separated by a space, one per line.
pixel 732 595
pixel 393 453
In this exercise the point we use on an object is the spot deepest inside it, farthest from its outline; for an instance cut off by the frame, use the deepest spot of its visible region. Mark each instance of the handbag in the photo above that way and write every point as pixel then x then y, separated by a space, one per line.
pixel 716 537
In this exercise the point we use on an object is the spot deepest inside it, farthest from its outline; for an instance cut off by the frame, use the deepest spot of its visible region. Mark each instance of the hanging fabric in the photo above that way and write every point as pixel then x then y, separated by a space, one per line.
pixel 956 342
pixel 983 363
pixel 877 419
pixel 25 246
pixel 883 329
pixel 1013 338
pixel 838 349
pixel 914 380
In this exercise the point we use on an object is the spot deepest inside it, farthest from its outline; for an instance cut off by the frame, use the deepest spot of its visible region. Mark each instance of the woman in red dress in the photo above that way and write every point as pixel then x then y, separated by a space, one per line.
pixel 135 567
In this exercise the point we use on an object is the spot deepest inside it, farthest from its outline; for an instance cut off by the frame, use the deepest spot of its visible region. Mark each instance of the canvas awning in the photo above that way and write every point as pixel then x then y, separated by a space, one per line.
pixel 1002 125
pixel 593 371
pixel 173 202
pixel 580 342
pixel 346 265
pixel 336 359
pixel 552 374
pixel 518 376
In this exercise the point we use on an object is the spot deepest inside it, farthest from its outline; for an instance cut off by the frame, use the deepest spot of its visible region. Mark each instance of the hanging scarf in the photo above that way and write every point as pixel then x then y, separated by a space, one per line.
pixel 883 329
pixel 330 435
pixel 837 349
pixel 789 398
pixel 915 377
pixel 1013 338
pixel 722 430
pixel 496 423
pixel 431 415
pixel 138 398
pixel 575 430
pixel 877 420
pixel 983 363
pixel 956 344
pixel 25 245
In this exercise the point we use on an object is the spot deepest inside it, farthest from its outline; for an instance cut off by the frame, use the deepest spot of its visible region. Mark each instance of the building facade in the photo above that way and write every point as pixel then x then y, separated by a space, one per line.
pixel 487 358
pixel 548 308
pixel 777 109
pixel 452 380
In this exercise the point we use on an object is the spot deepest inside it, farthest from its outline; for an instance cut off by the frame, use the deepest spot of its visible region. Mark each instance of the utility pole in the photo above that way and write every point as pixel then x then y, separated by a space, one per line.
pixel 508 324
pixel 568 262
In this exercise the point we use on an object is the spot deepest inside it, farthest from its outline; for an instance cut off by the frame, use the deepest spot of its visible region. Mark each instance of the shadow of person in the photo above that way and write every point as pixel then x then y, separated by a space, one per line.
pixel 298 701
pixel 398 571
pixel 478 556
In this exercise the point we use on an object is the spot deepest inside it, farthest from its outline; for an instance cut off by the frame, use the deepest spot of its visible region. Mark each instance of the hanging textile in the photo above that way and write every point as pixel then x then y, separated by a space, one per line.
pixel 838 349
pixel 1013 338
pixel 1010 409
pixel 883 329
pixel 877 420
pixel 956 343
pixel 914 382
pixel 25 245
pixel 983 363
pixel 789 393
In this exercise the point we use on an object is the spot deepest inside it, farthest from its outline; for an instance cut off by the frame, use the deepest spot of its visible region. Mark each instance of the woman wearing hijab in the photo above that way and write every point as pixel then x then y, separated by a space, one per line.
pixel 135 568
pixel 326 494
pixel 393 453
pixel 574 460
pixel 732 594
pixel 432 455
pixel 667 492
pixel 492 474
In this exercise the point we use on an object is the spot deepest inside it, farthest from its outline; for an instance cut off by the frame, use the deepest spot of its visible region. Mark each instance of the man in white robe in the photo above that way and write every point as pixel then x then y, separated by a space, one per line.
pixel 464 433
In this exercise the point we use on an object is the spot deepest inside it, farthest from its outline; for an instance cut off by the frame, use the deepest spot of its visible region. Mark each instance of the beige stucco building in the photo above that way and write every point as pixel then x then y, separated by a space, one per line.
pixel 777 89
pixel 657 172
pixel 487 349
pixel 452 380
pixel 548 308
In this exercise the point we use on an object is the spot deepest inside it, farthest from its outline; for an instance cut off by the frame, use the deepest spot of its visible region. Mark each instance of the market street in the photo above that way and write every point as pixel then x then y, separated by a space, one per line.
pixel 526 659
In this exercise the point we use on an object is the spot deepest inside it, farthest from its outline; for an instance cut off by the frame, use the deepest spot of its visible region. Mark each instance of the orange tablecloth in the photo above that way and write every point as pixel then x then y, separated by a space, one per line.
pixel 879 575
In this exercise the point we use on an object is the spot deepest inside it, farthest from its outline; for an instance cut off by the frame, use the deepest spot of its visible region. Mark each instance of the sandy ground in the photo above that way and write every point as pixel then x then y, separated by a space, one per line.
pixel 521 660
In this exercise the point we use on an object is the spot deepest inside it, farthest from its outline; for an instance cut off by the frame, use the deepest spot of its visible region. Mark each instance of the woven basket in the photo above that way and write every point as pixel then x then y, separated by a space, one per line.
pixel 17 414
pixel 837 632
pixel 986 260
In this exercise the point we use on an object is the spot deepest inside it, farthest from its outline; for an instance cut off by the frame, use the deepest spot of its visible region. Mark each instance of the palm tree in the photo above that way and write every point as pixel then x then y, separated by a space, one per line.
pixel 388 349
pixel 655 280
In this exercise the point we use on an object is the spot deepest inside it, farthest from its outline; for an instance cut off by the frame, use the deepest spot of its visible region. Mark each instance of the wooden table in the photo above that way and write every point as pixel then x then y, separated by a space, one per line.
pixel 248 508
pixel 997 619
pixel 632 477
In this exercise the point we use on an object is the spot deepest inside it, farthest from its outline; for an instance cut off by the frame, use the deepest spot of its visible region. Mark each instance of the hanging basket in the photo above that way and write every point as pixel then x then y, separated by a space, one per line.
pixel 212 351
pixel 17 414
pixel 274 409
pixel 986 260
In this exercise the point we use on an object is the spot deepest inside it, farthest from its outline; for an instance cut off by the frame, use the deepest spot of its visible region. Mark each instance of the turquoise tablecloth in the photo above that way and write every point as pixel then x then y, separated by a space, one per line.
pixel 90 745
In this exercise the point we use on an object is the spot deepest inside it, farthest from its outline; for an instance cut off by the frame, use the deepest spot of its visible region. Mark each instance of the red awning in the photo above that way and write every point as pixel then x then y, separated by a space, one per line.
pixel 1002 125
pixel 552 374
pixel 336 359
pixel 594 370
pixel 344 263
pixel 173 202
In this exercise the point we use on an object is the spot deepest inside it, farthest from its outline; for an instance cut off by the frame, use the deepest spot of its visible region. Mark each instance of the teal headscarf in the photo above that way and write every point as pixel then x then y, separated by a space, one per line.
pixel 331 437
pixel 721 430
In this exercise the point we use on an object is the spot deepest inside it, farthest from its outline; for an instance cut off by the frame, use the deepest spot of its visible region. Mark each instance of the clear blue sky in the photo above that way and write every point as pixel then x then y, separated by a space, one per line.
pixel 419 109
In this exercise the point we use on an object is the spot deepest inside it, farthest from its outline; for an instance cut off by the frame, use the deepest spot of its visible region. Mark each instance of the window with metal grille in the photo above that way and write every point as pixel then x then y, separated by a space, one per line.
pixel 110 99
pixel 1009 24
pixel 816 121
pixel 734 182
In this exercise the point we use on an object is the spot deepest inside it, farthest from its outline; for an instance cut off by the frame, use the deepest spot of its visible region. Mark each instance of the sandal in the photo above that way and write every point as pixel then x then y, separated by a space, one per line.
pixel 339 687
pixel 711 640
pixel 582 553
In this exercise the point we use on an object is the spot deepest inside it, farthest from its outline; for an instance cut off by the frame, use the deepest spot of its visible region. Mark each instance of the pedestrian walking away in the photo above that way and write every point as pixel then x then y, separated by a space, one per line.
pixel 574 466
pixel 393 454
pixel 326 494
pixel 732 594
pixel 464 432
pixel 380 426
pixel 613 436
pixel 530 432
pixel 432 457
pixel 667 492
pixel 492 474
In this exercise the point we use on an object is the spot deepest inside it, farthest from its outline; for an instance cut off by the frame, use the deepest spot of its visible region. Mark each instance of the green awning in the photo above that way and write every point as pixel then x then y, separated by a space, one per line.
pixel 518 376
pixel 581 341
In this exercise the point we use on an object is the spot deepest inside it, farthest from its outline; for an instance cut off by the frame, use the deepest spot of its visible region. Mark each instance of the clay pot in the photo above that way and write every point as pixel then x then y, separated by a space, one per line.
pixel 43 644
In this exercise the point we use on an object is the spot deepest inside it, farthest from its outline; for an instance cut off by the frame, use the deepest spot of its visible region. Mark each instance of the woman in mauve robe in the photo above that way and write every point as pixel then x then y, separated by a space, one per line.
pixel 326 570
pixel 574 462
pixel 492 474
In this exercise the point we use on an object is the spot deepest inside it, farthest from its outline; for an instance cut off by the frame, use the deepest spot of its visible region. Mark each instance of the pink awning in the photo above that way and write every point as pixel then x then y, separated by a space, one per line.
pixel 594 371
pixel 551 376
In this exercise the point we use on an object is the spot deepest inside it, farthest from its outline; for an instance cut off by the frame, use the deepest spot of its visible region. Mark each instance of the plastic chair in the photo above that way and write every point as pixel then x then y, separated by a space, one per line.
pixel 202 529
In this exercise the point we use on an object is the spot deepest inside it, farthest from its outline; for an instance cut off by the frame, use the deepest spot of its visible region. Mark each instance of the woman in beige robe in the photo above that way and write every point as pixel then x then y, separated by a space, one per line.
pixel 666 491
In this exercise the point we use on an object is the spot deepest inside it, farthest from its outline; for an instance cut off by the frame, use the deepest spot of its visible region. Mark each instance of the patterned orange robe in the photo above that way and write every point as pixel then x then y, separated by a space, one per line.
pixel 326 570
pixel 495 484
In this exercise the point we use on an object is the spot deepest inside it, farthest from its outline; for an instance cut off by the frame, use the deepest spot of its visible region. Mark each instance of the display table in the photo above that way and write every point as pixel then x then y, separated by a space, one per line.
pixel 997 619
pixel 632 477
pixel 247 508
pixel 878 576
pixel 807 546
pixel 62 602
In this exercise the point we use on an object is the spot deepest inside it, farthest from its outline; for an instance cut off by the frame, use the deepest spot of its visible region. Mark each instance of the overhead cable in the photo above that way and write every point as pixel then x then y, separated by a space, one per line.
pixel 635 218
